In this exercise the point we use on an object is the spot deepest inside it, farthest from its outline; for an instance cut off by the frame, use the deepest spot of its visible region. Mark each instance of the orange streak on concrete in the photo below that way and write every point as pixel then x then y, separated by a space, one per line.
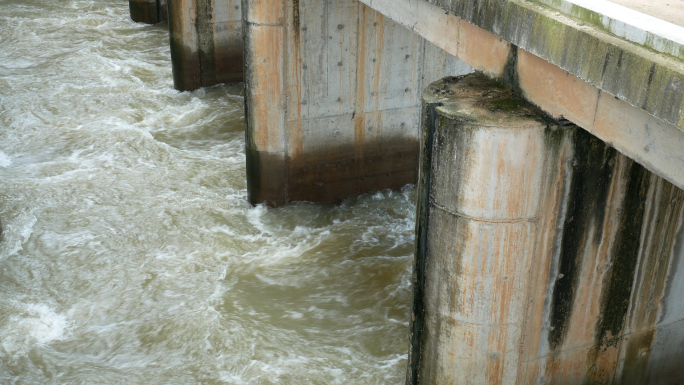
pixel 359 117
pixel 268 93
pixel 484 51
pixel 295 138
pixel 267 11
pixel 495 362
pixel 555 177
pixel 556 91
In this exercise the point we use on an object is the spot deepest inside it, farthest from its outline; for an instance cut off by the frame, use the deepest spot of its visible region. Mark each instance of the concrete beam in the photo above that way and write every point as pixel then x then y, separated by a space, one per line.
pixel 333 99
pixel 148 11
pixel 568 68
pixel 543 255
pixel 206 42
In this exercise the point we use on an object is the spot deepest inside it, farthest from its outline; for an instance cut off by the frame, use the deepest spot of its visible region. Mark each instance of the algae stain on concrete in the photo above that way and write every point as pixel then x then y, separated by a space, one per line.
pixel 591 176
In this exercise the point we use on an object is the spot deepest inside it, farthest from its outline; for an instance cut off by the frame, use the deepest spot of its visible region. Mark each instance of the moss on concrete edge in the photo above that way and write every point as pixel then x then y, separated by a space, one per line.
pixel 647 80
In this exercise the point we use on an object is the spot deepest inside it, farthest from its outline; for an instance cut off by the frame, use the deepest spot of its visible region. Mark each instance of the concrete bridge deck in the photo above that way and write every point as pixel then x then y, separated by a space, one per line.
pixel 671 11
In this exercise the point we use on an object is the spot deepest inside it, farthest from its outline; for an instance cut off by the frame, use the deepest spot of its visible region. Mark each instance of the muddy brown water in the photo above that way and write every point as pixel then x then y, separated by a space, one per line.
pixel 130 254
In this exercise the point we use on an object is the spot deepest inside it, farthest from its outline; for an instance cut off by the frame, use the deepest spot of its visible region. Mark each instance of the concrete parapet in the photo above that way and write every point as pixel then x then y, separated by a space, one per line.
pixel 206 42
pixel 542 255
pixel 333 99
pixel 148 11
pixel 648 31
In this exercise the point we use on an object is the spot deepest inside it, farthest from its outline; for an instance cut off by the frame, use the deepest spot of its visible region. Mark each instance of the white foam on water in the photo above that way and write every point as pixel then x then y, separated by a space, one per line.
pixel 34 324
pixel 5 160
pixel 231 378
pixel 16 233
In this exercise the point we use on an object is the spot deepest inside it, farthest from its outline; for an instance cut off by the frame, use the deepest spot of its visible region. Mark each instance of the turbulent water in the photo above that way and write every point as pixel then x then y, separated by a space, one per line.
pixel 130 254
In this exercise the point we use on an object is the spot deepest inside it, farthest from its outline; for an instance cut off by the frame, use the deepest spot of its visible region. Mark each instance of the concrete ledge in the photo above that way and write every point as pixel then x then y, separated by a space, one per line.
pixel 652 82
pixel 636 27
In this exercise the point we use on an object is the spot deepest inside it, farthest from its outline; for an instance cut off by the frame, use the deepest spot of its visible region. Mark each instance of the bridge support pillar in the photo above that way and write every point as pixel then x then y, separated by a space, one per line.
pixel 333 99
pixel 543 255
pixel 148 11
pixel 206 42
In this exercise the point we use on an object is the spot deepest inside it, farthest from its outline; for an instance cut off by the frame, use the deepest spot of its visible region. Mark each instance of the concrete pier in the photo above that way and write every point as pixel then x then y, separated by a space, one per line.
pixel 333 99
pixel 543 255
pixel 148 11
pixel 206 42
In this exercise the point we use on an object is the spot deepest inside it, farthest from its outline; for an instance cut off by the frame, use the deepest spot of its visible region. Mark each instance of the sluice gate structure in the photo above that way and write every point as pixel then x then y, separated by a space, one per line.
pixel 550 222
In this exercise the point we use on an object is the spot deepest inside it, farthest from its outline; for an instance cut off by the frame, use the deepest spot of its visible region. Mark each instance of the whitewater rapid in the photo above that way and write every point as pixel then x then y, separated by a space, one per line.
pixel 130 254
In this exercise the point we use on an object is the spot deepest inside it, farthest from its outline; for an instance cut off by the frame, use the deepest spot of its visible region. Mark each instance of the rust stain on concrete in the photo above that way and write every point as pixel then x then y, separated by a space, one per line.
pixel 268 12
pixel 556 91
pixel 482 50
pixel 268 118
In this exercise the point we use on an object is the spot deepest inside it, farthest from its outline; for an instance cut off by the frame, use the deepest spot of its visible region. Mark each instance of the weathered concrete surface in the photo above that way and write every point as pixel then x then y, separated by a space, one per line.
pixel 647 31
pixel 539 52
pixel 148 11
pixel 671 11
pixel 206 42
pixel 333 99
pixel 543 255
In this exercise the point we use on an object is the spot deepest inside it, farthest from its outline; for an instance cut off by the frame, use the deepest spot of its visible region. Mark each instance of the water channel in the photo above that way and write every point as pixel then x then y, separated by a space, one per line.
pixel 130 254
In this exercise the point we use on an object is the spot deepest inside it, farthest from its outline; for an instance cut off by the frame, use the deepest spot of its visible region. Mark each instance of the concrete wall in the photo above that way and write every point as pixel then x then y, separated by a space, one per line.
pixel 333 99
pixel 206 42
pixel 148 11
pixel 543 255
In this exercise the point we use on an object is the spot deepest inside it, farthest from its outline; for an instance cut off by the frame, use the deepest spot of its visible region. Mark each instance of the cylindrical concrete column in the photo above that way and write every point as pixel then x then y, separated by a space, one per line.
pixel 543 255
pixel 148 11
pixel 206 42
pixel 481 183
